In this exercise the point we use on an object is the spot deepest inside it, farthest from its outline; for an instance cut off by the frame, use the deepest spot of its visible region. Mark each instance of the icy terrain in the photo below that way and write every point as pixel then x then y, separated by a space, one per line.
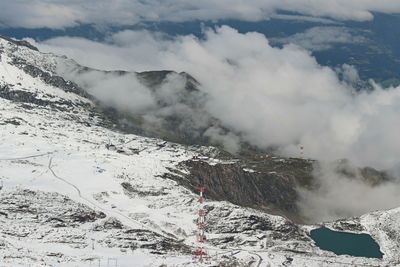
pixel 68 200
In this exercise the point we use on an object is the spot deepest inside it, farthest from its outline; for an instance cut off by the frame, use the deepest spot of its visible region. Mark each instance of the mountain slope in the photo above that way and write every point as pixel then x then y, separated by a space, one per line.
pixel 68 198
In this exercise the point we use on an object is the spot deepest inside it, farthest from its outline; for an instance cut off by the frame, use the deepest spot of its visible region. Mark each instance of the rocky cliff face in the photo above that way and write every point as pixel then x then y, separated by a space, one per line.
pixel 230 182
pixel 268 185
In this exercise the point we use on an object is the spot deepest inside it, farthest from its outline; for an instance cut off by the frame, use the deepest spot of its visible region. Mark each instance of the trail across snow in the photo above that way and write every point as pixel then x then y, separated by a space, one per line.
pixel 29 157
pixel 112 213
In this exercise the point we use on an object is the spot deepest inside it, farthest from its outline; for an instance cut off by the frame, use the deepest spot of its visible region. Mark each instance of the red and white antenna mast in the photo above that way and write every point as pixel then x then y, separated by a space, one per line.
pixel 200 252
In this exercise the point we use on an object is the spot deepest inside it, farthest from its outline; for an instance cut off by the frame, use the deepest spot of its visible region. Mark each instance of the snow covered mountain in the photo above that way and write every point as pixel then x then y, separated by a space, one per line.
pixel 77 192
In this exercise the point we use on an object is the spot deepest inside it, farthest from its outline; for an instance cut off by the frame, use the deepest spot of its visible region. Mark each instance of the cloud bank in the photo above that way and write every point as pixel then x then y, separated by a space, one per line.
pixel 266 96
pixel 269 97
pixel 169 109
pixel 339 196
pixel 65 13
pixel 323 38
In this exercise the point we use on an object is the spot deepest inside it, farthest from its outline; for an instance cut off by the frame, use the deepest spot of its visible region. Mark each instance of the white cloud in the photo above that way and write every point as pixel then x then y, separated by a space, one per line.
pixel 134 101
pixel 322 38
pixel 267 96
pixel 37 14
pixel 339 196
pixel 64 13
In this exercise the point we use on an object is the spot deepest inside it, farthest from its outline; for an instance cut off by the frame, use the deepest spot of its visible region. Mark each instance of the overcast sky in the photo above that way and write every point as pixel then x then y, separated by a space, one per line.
pixel 66 13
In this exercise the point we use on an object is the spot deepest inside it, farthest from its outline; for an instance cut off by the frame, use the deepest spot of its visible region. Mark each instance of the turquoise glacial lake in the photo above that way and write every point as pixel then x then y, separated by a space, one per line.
pixel 341 243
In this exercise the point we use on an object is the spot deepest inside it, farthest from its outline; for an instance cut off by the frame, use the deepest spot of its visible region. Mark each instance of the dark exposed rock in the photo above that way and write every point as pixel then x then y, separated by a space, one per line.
pixel 131 191
pixel 271 191
pixel 11 121
pixel 85 216
pixel 242 224
pixel 367 174
pixel 154 79
pixel 31 98
pixel 349 225
pixel 30 203
pixel 54 254
pixel 176 126
pixel 227 239
pixel 231 183
pixel 113 223
pixel 227 261
pixel 373 176
pixel 288 261
pixel 230 223
pixel 19 43
pixel 139 238
pixel 48 78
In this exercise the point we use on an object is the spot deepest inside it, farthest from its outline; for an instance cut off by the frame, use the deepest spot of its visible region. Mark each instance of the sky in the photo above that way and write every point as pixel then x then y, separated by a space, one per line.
pixel 58 14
